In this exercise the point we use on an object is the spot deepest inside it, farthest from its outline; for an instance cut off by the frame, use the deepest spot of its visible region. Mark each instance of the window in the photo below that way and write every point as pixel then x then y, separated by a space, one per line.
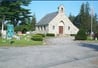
pixel 68 27
pixel 53 27
pixel 61 9
pixel 41 28
pixel 38 27
pixel 44 27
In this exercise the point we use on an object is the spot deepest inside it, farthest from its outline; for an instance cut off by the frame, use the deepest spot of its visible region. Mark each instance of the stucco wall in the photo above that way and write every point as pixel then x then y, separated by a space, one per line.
pixel 67 23
pixel 60 20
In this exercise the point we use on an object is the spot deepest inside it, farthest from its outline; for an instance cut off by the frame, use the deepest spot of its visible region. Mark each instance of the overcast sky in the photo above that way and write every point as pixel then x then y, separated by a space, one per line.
pixel 41 8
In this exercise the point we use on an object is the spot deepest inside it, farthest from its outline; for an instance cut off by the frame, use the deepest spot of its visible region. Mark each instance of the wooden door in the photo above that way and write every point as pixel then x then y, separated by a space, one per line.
pixel 60 29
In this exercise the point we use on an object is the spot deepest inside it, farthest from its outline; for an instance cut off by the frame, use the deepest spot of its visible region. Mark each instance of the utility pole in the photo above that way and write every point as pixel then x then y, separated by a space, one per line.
pixel 92 23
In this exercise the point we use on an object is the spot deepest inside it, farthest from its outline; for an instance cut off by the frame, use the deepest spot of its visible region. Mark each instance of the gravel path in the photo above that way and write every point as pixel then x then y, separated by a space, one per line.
pixel 60 52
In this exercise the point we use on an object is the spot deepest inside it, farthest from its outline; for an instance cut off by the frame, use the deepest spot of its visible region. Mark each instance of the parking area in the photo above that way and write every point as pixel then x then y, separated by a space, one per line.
pixel 59 52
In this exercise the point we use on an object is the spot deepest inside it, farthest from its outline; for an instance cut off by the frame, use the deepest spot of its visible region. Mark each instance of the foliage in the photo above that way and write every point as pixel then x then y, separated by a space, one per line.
pixel 37 38
pixel 25 40
pixel 96 35
pixel 73 34
pixel 19 43
pixel 13 10
pixel 29 26
pixel 0 34
pixel 83 19
pixel 50 34
pixel 43 35
pixel 23 28
pixel 33 22
pixel 72 18
pixel 81 35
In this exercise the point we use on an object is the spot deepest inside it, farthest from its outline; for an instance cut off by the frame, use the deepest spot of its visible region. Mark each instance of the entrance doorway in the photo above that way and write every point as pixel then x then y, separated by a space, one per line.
pixel 60 29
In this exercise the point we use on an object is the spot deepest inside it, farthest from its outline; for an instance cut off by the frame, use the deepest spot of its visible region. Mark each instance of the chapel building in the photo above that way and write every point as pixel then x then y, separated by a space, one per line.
pixel 57 23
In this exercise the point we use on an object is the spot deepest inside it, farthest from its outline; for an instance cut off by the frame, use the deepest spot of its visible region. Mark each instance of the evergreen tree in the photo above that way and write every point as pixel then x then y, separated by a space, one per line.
pixel 33 22
pixel 72 18
pixel 12 10
pixel 83 19
pixel 81 35
pixel 77 21
pixel 82 16
pixel 29 26
pixel 95 23
pixel 88 17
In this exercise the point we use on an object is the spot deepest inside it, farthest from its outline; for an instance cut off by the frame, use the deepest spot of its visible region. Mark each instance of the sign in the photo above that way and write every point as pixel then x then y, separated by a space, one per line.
pixel 10 31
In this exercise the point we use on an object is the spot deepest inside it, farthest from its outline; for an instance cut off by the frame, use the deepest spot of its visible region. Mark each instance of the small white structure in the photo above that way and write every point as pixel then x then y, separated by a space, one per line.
pixel 57 23
pixel 3 33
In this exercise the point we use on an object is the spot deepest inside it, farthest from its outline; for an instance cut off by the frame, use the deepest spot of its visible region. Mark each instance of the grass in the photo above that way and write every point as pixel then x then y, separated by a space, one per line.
pixel 91 40
pixel 19 42
pixel 24 41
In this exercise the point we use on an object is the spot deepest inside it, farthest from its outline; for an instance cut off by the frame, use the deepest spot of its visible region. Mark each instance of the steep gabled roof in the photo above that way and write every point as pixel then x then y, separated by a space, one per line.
pixel 46 19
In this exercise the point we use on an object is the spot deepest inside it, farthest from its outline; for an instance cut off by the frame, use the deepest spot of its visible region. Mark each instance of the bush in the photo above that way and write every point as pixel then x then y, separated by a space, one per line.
pixel 43 35
pixel 22 28
pixel 0 34
pixel 95 35
pixel 50 34
pixel 37 38
pixel 73 35
pixel 81 35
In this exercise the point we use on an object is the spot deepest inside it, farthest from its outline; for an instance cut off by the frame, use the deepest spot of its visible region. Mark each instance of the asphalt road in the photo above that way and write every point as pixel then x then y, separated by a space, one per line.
pixel 60 52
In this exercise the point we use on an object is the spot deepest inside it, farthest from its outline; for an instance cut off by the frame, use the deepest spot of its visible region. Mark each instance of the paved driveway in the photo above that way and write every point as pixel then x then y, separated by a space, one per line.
pixel 60 52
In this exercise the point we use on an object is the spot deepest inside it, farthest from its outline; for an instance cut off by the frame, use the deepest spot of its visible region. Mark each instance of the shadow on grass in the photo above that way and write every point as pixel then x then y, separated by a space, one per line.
pixel 90 45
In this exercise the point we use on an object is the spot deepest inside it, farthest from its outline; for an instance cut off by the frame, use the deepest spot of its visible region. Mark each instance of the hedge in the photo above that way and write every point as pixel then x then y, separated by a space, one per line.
pixel 43 35
pixel 50 34
pixel 37 38
pixel 73 35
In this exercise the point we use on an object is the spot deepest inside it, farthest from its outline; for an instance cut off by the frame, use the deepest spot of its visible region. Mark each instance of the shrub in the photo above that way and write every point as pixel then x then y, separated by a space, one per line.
pixel 11 42
pixel 81 35
pixel 73 35
pixel 50 34
pixel 37 38
pixel 43 35
pixel 24 30
pixel 0 34
pixel 95 35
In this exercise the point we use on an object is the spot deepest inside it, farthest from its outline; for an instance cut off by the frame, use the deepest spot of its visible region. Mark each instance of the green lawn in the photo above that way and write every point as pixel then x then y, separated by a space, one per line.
pixel 21 42
pixel 91 40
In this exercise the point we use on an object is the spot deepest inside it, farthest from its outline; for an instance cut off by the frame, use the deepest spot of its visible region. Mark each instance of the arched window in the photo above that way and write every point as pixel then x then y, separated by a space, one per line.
pixel 68 27
pixel 53 27
pixel 62 21
pixel 38 27
pixel 44 27
pixel 61 9
pixel 41 28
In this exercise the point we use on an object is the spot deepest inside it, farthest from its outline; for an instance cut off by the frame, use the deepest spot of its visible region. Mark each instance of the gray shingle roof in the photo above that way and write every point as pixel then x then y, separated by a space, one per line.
pixel 46 19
